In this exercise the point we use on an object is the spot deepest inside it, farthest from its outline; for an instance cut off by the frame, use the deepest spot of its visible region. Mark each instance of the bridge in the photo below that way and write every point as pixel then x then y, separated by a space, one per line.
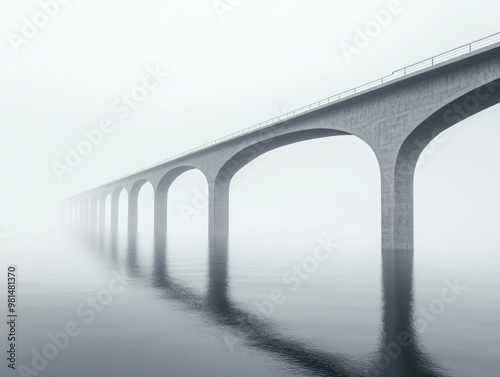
pixel 397 116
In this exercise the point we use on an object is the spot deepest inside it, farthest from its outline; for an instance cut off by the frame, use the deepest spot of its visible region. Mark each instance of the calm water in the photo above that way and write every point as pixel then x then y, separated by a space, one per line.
pixel 282 306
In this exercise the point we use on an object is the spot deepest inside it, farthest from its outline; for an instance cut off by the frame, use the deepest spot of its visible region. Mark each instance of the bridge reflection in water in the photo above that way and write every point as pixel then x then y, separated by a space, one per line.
pixel 399 352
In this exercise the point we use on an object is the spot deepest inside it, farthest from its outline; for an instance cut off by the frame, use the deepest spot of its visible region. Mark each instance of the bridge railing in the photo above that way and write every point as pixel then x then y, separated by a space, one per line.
pixel 416 67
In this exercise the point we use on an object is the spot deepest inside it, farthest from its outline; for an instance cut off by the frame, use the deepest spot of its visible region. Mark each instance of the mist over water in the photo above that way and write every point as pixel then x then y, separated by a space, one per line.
pixel 178 315
pixel 194 308
pixel 94 90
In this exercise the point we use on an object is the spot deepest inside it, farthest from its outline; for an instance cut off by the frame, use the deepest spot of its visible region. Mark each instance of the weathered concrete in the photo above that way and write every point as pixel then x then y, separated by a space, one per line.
pixel 397 120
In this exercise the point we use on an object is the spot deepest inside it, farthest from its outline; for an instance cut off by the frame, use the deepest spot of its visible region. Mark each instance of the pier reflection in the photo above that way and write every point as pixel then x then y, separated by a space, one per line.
pixel 399 353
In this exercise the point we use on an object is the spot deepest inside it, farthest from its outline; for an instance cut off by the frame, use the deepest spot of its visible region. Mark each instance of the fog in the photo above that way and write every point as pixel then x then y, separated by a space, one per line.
pixel 91 91
pixel 226 72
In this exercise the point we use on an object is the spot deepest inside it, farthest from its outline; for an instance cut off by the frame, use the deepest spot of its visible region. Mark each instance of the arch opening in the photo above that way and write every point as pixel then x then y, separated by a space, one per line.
pixel 145 213
pixel 187 204
pixel 187 228
pixel 426 135
pixel 251 152
pixel 161 200
pixel 304 220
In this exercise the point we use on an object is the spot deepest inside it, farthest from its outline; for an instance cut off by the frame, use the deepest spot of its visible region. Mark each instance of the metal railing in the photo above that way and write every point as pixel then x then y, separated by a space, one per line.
pixel 411 69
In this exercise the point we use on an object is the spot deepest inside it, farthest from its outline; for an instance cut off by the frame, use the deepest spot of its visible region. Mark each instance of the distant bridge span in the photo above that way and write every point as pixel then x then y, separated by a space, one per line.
pixel 397 116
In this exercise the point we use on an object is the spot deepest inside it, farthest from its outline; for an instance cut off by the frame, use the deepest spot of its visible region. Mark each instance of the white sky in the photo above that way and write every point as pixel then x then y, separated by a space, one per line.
pixel 265 57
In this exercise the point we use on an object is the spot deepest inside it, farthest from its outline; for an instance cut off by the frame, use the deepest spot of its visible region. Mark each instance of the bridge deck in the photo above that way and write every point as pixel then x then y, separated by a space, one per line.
pixel 455 55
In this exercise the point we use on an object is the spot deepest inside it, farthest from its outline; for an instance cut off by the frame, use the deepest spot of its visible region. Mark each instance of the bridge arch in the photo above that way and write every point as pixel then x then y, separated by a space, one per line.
pixel 136 186
pixel 161 198
pixel 249 153
pixel 115 199
pixel 133 206
pixel 219 187
pixel 397 115
pixel 450 112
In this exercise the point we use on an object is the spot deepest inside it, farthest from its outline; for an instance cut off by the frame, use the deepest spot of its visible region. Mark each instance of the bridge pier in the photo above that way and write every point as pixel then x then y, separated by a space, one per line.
pixel 93 216
pixel 161 203
pixel 217 287
pixel 218 233
pixel 102 215
pixel 114 215
pixel 218 209
pixel 397 173
pixel 397 212
pixel 133 208
pixel 160 213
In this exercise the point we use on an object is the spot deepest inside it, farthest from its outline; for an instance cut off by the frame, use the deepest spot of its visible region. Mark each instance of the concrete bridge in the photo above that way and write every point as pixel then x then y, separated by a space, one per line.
pixel 397 116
